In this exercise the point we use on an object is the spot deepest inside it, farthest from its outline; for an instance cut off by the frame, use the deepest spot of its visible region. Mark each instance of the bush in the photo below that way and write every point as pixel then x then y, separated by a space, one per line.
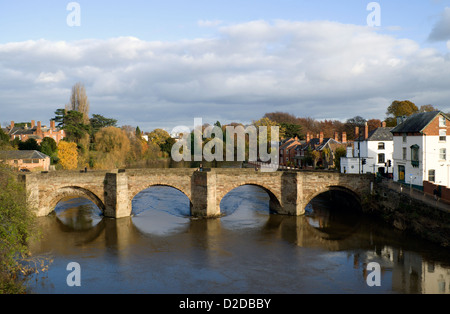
pixel 15 231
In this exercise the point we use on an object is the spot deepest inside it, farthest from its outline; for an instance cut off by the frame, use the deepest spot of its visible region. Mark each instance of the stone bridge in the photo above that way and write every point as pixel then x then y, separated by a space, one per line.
pixel 113 191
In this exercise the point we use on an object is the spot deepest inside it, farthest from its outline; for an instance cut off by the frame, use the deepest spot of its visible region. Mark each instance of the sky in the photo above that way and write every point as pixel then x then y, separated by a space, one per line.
pixel 160 64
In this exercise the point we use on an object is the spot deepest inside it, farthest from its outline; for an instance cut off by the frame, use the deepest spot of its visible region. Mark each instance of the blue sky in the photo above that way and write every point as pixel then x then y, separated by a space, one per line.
pixel 162 63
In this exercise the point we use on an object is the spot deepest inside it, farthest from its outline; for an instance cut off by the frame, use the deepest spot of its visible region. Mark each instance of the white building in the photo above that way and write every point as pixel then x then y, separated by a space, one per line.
pixel 371 152
pixel 420 149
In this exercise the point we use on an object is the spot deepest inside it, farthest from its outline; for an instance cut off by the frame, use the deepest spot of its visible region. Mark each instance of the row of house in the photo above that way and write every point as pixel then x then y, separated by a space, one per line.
pixel 30 160
pixel 298 153
pixel 35 131
pixel 414 152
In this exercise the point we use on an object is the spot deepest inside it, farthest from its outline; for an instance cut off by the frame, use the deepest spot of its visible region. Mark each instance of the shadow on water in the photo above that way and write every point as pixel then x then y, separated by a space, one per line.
pixel 232 253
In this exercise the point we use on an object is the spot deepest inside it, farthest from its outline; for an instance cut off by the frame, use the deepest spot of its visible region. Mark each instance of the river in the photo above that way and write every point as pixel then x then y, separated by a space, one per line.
pixel 160 249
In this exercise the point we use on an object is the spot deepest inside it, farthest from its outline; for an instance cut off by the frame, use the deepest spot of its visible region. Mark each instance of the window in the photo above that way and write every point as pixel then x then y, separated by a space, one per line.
pixel 442 121
pixel 380 145
pixel 404 137
pixel 415 156
pixel 381 158
pixel 404 153
pixel 442 135
pixel 432 175
pixel 443 154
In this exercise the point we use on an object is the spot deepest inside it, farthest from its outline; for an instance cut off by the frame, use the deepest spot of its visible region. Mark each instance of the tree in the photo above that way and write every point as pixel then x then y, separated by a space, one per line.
pixel 158 136
pixel 399 109
pixel 98 122
pixel 74 126
pixel 68 155
pixel 291 130
pixel 79 101
pixel 30 144
pixel 113 146
pixel 339 152
pixel 352 123
pixel 59 117
pixel 5 143
pixel 427 108
pixel 138 132
pixel 16 231
pixel 50 148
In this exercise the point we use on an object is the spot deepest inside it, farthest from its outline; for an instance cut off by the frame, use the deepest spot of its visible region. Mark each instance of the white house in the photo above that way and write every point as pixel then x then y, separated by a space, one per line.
pixel 420 149
pixel 371 152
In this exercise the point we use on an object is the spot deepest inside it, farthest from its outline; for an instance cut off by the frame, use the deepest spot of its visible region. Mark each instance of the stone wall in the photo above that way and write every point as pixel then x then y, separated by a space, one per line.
pixel 113 191
pixel 409 214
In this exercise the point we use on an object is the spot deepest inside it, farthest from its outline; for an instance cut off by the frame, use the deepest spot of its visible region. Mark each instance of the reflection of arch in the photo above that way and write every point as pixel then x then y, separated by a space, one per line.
pixel 141 189
pixel 274 202
pixel 333 188
pixel 69 192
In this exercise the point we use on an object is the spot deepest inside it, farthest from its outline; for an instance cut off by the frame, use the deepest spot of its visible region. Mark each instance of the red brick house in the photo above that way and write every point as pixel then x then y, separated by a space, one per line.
pixel 36 131
pixel 26 160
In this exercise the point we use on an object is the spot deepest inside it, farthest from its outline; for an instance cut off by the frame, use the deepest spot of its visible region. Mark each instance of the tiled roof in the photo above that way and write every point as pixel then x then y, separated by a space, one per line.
pixel 416 123
pixel 22 154
pixel 380 134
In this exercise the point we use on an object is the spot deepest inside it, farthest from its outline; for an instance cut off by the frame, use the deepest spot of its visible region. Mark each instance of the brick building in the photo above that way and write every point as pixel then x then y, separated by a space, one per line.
pixel 34 130
pixel 23 160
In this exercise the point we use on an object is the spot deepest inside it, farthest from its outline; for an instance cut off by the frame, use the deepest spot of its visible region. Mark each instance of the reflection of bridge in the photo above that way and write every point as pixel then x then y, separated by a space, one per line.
pixel 113 192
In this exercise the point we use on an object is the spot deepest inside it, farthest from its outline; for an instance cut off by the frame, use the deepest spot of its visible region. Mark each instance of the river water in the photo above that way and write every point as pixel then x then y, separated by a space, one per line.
pixel 160 249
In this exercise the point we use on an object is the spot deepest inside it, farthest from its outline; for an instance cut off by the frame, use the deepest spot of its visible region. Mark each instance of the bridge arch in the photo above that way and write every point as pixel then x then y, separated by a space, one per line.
pixel 274 199
pixel 68 192
pixel 327 188
pixel 142 188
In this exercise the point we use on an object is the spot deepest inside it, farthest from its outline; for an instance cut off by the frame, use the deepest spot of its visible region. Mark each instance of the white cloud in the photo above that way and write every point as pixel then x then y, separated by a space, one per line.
pixel 317 69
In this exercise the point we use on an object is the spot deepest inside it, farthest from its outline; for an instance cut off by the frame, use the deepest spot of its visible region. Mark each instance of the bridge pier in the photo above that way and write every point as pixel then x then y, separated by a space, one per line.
pixel 203 191
pixel 117 202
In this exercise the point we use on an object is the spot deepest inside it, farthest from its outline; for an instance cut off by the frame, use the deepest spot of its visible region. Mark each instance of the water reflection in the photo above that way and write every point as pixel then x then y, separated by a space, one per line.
pixel 162 250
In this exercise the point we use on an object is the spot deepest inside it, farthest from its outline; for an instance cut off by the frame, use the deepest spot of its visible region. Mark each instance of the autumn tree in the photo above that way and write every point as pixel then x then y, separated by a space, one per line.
pixel 427 108
pixel 112 146
pixel 398 109
pixel 68 155
pixel 158 136
pixel 79 101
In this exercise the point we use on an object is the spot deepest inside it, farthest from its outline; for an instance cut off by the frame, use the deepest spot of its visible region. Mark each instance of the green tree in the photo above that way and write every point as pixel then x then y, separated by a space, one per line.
pixel 291 130
pixel 30 144
pixel 16 230
pixel 340 152
pixel 5 142
pixel 99 122
pixel 50 148
pixel 74 126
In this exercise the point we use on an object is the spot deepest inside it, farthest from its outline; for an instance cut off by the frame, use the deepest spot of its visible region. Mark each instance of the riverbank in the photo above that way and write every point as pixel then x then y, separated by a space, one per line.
pixel 408 212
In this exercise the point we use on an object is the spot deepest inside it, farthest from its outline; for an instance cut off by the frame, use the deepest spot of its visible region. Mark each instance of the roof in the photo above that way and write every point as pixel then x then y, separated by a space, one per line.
pixel 22 154
pixel 416 122
pixel 380 134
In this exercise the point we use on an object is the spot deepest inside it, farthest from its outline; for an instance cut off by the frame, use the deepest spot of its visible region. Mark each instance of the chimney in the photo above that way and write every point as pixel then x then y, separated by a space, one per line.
pixel 321 137
pixel 336 136
pixel 12 125
pixel 308 137
pixel 356 132
pixel 366 131
pixel 383 124
pixel 32 124
pixel 38 127
pixel 344 137
pixel 52 124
